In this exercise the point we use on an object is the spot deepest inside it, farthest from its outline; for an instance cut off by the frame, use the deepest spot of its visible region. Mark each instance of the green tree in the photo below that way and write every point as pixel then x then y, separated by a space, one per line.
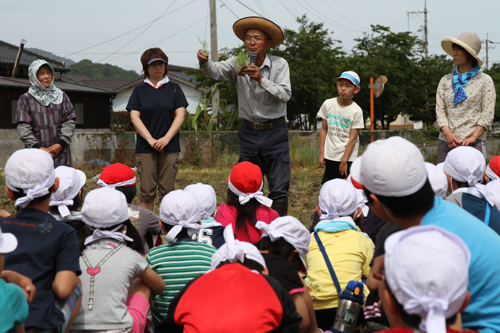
pixel 102 71
pixel 395 55
pixel 494 72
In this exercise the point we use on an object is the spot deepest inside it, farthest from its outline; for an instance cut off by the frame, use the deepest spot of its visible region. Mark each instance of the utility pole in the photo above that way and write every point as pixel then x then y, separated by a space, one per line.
pixel 426 30
pixel 214 57
pixel 488 43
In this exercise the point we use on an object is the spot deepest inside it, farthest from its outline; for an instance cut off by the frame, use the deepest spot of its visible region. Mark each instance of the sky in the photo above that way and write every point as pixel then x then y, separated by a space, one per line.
pixel 118 31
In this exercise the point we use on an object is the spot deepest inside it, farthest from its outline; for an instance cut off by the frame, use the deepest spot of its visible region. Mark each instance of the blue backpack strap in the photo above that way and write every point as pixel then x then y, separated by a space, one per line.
pixel 329 265
pixel 487 214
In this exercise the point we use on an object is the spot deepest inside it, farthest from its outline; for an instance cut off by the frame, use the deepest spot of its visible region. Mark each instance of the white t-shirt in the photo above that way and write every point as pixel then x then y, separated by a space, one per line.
pixel 341 119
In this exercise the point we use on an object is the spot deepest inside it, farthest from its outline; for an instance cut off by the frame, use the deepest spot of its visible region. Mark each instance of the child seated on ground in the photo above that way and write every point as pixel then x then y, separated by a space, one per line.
pixel 349 251
pixel 111 258
pixel 64 203
pixel 47 252
pixel 122 178
pixel 284 246
pixel 233 296
pixel 13 304
pixel 426 276
pixel 182 259
pixel 211 231
pixel 246 203
pixel 464 166
pixel 342 119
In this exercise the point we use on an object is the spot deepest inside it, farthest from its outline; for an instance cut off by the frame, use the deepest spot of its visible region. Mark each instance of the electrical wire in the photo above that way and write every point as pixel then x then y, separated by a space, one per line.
pixel 261 8
pixel 229 9
pixel 288 9
pixel 353 23
pixel 241 3
pixel 124 34
pixel 143 31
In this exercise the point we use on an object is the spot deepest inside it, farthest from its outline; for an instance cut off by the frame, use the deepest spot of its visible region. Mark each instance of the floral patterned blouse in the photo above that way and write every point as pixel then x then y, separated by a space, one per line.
pixel 477 110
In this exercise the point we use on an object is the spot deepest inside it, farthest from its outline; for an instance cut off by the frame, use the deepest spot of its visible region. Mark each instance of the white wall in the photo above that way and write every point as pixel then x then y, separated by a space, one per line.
pixel 192 95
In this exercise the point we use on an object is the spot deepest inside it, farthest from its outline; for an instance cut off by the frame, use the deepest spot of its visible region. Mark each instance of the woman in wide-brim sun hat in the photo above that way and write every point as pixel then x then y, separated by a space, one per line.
pixel 465 99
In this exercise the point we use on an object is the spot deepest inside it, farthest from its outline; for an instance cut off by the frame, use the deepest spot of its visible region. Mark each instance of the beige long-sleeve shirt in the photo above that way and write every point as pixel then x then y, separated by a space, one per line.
pixel 477 110
pixel 257 102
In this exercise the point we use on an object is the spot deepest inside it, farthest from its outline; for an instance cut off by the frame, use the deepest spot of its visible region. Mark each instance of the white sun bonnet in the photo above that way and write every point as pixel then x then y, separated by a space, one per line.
pixel 31 170
pixel 207 199
pixel 337 198
pixel 426 269
pixel 291 230
pixel 71 182
pixel 234 250
pixel 180 209
pixel 438 180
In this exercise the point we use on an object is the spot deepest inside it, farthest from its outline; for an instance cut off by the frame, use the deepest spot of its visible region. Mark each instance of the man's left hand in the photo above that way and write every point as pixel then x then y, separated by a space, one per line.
pixel 343 169
pixel 55 149
pixel 254 72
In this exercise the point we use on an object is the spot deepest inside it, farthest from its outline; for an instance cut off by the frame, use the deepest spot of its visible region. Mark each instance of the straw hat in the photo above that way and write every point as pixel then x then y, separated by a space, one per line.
pixel 468 40
pixel 241 26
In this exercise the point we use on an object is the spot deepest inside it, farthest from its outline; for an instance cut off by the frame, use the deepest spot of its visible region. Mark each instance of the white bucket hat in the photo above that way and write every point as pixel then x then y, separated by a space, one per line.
pixel 8 242
pixel 468 40
pixel 71 182
pixel 392 167
pixel 426 269
pixel 438 180
pixel 31 170
pixel 291 230
pixel 234 250
pixel 180 209
pixel 207 199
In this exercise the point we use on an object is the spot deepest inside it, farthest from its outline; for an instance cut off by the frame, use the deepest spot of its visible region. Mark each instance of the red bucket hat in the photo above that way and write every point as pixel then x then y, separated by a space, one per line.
pixel 493 168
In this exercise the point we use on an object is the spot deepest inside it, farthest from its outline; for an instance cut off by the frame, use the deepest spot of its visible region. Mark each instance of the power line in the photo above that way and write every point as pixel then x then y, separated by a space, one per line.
pixel 261 8
pixel 241 3
pixel 326 3
pixel 126 33
pixel 288 9
pixel 143 31
pixel 229 9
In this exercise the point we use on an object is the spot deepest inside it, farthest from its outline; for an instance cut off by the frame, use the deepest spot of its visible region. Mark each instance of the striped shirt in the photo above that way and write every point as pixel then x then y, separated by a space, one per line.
pixel 177 263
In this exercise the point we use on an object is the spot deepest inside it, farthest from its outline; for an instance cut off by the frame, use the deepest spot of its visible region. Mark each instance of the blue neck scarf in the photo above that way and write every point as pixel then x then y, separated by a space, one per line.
pixel 459 81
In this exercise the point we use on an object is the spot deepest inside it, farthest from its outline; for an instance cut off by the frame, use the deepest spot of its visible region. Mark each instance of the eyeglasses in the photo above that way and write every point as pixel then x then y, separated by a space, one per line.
pixel 256 39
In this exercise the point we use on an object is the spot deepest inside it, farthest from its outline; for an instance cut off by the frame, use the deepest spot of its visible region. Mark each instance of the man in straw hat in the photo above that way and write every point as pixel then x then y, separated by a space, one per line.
pixel 465 99
pixel 263 92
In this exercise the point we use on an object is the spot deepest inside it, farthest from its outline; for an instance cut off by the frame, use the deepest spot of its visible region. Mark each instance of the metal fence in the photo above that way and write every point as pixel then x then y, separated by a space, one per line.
pixel 222 148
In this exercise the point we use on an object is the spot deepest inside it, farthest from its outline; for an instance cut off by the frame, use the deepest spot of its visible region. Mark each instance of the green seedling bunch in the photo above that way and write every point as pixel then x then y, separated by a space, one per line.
pixel 204 45
pixel 241 58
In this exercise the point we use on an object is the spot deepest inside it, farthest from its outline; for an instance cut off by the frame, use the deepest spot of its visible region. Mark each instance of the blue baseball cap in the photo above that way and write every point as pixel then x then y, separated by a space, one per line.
pixel 351 76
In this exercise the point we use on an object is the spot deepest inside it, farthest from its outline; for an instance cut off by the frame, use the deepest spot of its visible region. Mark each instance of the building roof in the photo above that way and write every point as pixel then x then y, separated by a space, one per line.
pixel 109 84
pixel 63 85
pixel 8 55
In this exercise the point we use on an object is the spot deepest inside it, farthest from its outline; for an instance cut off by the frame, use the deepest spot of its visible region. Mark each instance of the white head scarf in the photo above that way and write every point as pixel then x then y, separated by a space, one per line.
pixel 71 182
pixel 426 269
pixel 337 198
pixel 467 164
pixel 207 199
pixel 234 250
pixel 291 230
pixel 31 170
pixel 180 209
pixel 437 179
pixel 43 95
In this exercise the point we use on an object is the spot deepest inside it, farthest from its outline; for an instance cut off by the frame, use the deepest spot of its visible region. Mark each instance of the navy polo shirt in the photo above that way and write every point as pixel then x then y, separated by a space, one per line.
pixel 157 107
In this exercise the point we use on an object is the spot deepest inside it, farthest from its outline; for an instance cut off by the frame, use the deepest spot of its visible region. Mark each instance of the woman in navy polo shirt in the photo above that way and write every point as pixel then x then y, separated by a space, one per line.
pixel 157 109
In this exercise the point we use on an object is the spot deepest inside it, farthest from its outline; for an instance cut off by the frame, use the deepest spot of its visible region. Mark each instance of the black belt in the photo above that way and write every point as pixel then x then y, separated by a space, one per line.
pixel 265 125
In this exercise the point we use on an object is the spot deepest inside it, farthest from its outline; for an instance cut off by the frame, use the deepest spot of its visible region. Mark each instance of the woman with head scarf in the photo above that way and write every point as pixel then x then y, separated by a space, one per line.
pixel 45 116
pixel 465 99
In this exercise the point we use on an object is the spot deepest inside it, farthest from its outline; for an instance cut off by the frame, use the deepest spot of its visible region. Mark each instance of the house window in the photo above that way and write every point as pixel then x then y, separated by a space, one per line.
pixel 13 109
pixel 79 113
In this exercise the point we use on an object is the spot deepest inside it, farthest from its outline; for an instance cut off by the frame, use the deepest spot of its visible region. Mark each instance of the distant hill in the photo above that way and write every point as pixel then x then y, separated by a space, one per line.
pixel 67 62
pixel 102 71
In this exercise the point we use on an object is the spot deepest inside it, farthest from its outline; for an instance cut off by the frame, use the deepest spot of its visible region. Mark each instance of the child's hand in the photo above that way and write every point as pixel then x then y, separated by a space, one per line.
pixel 22 281
pixel 322 160
pixel 4 213
pixel 343 169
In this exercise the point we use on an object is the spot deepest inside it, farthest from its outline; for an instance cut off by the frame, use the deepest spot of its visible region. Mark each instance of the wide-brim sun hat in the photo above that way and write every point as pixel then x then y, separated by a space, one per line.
pixel 468 40
pixel 241 26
